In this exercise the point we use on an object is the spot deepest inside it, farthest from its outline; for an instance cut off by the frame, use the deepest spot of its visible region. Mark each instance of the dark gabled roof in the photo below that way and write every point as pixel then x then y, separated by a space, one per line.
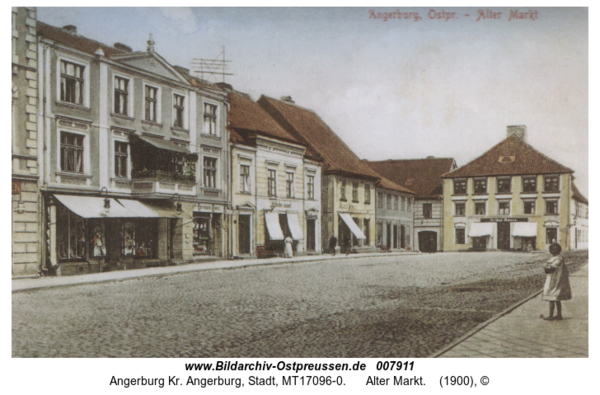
pixel 81 43
pixel 578 195
pixel 388 184
pixel 306 125
pixel 423 176
pixel 512 156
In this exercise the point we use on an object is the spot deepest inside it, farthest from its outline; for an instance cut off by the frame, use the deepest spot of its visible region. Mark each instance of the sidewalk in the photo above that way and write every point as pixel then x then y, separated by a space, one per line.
pixel 47 282
pixel 519 332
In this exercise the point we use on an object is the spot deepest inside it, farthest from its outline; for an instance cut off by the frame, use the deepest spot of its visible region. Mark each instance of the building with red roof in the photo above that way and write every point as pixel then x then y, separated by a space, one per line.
pixel 512 197
pixel 424 177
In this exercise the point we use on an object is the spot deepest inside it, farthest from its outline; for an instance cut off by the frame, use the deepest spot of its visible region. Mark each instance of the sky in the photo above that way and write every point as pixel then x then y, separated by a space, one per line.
pixel 406 86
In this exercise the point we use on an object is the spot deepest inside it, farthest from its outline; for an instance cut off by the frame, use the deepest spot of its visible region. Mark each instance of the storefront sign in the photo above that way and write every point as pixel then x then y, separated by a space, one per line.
pixel 281 204
pixel 503 219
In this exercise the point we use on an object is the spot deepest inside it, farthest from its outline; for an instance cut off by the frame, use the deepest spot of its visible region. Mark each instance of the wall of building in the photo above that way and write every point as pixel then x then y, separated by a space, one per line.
pixel 400 216
pixel 26 209
pixel 243 203
pixel 431 225
pixel 579 233
pixel 516 198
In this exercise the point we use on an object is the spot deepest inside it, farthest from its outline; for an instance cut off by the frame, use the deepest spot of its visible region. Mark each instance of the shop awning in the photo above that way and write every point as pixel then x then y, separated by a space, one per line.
pixel 294 226
pixel 272 220
pixel 480 229
pixel 352 225
pixel 164 144
pixel 93 207
pixel 524 229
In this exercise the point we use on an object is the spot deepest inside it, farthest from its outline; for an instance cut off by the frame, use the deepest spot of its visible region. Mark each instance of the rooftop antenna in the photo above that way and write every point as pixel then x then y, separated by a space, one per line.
pixel 212 67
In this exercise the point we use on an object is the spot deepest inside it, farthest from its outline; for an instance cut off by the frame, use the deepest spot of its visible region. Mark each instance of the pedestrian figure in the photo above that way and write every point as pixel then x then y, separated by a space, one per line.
pixel 557 286
pixel 289 252
pixel 332 244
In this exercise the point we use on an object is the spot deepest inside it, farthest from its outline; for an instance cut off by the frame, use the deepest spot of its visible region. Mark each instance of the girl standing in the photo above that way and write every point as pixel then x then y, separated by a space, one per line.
pixel 557 285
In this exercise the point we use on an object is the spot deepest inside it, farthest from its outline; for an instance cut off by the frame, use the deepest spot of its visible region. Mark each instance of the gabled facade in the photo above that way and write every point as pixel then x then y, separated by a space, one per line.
pixel 275 185
pixel 25 210
pixel 423 176
pixel 132 133
pixel 510 198
pixel 579 220
pixel 347 184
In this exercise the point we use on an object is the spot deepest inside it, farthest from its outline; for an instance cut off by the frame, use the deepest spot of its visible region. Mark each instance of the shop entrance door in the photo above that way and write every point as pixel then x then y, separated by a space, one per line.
pixel 310 234
pixel 113 240
pixel 504 235
pixel 244 234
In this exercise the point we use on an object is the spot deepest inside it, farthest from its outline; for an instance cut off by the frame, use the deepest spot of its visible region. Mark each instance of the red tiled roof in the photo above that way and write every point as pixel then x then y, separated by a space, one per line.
pixel 310 128
pixel 73 40
pixel 577 195
pixel 512 156
pixel 423 176
pixel 246 115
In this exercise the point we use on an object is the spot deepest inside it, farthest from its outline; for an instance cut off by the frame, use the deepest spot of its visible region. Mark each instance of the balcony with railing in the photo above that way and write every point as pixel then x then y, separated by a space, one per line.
pixel 146 182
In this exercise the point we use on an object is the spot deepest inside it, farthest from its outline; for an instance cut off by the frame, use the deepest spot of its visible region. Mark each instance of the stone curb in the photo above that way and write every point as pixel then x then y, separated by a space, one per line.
pixel 488 322
pixel 20 285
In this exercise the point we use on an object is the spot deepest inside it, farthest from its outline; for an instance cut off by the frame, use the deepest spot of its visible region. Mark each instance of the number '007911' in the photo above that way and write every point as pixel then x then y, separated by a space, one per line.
pixel 395 365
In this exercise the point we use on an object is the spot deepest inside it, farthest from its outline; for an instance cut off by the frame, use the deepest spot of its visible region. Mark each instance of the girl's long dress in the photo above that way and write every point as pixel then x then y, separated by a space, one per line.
pixel 557 285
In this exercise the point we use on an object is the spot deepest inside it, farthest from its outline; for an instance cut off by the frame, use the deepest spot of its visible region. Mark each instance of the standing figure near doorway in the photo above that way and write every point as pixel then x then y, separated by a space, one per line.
pixel 289 251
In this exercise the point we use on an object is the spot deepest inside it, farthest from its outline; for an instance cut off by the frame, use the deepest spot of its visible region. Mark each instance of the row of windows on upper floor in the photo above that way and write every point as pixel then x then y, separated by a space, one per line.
pixel 290 190
pixel 504 184
pixel 72 90
pixel 400 203
pixel 355 193
pixel 503 207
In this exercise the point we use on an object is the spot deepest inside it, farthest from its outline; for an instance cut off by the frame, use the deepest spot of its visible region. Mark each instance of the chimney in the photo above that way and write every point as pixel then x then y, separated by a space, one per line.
pixel 287 99
pixel 71 29
pixel 150 44
pixel 182 70
pixel 122 47
pixel 519 130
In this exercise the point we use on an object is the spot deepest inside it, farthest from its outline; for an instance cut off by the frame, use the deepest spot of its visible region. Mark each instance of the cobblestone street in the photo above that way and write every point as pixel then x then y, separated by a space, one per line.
pixel 395 306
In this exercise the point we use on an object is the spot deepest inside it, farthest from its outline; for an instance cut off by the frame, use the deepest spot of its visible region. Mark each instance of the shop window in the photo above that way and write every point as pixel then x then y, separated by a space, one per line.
pixel 551 206
pixel 551 183
pixel 202 231
pixel 71 152
pixel 460 187
pixel 210 119
pixel 459 209
pixel 459 235
pixel 97 237
pixel 529 207
pixel 529 183
pixel 70 232
pixel 355 192
pixel 504 208
pixel 503 184
pixel 480 186
pixel 367 193
pixel 121 97
pixel 311 187
pixel 138 238
pixel 210 172
pixel 121 159
pixel 272 182
pixel 71 82
pixel 479 208
pixel 427 210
